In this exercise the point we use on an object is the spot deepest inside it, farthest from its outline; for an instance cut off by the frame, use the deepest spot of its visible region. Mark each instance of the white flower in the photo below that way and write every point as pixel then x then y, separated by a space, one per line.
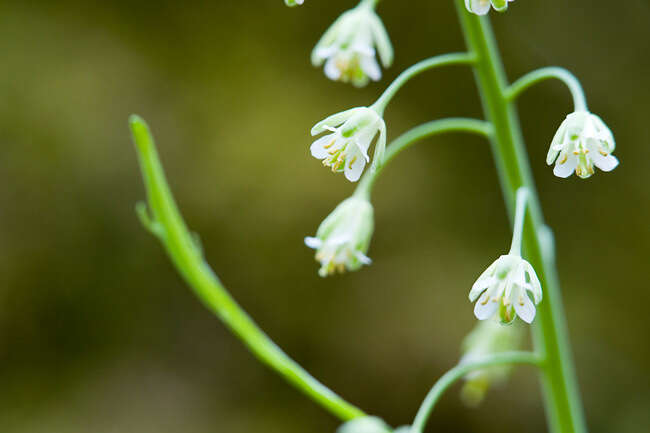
pixel 343 238
pixel 348 47
pixel 292 3
pixel 487 338
pixel 582 141
pixel 504 287
pixel 367 424
pixel 482 7
pixel 345 149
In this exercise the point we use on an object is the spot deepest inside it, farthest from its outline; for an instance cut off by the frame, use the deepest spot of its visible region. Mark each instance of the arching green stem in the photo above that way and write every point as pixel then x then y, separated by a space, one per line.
pixel 543 74
pixel 420 132
pixel 418 68
pixel 561 396
pixel 458 372
pixel 167 224
pixel 520 214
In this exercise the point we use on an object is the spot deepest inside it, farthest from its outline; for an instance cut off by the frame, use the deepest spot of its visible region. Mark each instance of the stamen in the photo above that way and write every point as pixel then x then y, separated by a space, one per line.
pixel 352 161
pixel 331 144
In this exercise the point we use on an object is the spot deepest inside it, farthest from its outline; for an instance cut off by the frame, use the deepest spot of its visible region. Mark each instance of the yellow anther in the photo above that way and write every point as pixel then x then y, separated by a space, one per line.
pixel 331 144
pixel 352 161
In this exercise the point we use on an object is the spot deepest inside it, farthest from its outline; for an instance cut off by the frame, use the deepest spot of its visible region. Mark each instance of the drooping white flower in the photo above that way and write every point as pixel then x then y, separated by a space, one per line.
pixel 582 141
pixel 366 424
pixel 487 338
pixel 345 148
pixel 343 238
pixel 348 47
pixel 482 7
pixel 504 288
pixel 292 3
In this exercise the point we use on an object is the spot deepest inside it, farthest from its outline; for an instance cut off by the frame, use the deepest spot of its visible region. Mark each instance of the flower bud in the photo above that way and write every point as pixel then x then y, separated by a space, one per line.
pixel 348 47
pixel 345 149
pixel 582 141
pixel 343 238
pixel 487 338
pixel 292 3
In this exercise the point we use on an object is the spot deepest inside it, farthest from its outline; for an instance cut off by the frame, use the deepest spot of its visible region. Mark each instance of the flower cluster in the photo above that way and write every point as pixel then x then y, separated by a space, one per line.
pixel 343 238
pixel 482 7
pixel 345 148
pixel 348 47
pixel 504 288
pixel 582 142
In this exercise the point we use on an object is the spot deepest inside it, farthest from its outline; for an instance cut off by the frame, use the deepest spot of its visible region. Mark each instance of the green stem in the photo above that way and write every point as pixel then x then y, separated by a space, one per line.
pixel 412 136
pixel 167 224
pixel 543 74
pixel 418 68
pixel 520 214
pixel 561 396
pixel 458 372
pixel 368 3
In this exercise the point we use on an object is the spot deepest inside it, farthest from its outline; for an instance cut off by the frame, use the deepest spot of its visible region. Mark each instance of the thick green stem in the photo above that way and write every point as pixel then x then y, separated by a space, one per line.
pixel 459 371
pixel 561 396
pixel 412 136
pixel 168 225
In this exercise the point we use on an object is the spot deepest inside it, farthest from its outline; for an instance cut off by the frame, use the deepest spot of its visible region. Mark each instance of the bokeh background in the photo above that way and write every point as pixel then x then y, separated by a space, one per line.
pixel 98 333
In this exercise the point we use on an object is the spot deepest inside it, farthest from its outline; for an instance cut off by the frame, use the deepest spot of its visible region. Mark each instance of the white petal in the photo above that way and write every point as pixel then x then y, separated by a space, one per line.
pixel 535 286
pixel 525 308
pixel 314 243
pixel 484 310
pixel 331 70
pixel 605 163
pixel 565 170
pixel 370 67
pixel 363 258
pixel 479 286
pixel 479 7
pixel 382 41
pixel 334 120
pixel 354 169
pixel 318 149
pixel 556 144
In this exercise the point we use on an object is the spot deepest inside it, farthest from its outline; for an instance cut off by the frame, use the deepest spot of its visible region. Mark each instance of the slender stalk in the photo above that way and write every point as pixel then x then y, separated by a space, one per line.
pixel 168 225
pixel 458 372
pixel 412 136
pixel 520 214
pixel 543 74
pixel 418 68
pixel 561 396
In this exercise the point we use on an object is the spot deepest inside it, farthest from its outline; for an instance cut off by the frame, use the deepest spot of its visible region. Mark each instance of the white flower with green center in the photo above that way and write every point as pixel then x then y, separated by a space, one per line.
pixel 352 132
pixel 482 7
pixel 292 3
pixel 367 424
pixel 582 142
pixel 348 47
pixel 343 238
pixel 504 288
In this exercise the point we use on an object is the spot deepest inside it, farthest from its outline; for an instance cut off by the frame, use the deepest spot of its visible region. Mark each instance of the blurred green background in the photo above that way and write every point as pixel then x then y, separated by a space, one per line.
pixel 98 333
